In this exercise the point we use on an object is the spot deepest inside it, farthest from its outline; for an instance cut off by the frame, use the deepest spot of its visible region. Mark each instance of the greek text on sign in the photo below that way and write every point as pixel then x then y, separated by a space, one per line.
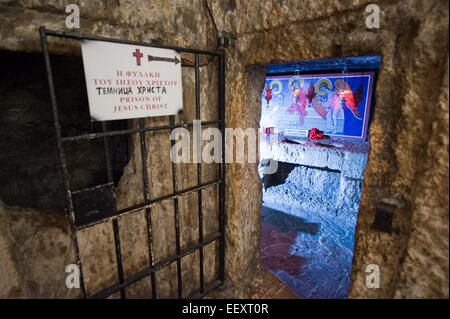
pixel 129 81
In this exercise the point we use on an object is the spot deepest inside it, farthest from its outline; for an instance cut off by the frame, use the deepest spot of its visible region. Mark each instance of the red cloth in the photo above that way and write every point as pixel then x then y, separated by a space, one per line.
pixel 316 134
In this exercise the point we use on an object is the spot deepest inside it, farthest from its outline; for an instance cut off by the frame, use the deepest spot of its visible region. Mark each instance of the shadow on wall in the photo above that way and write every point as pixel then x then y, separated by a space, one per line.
pixel 283 170
pixel 287 223
pixel 278 234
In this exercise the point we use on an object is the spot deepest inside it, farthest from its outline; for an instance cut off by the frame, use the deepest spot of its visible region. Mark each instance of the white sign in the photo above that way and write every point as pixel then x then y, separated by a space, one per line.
pixel 130 81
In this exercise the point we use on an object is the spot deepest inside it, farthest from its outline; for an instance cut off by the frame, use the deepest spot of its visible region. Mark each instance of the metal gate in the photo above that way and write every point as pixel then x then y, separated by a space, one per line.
pixel 75 199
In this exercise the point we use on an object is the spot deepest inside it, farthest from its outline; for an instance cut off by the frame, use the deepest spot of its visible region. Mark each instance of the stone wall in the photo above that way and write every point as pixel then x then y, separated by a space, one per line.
pixel 408 159
pixel 409 112
pixel 181 23
pixel 347 157
pixel 34 249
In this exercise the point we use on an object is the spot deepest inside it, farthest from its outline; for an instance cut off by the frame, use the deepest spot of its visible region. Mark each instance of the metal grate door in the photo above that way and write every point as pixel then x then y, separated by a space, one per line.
pixel 84 199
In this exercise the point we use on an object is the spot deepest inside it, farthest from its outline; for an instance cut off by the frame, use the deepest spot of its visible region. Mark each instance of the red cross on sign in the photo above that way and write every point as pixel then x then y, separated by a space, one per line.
pixel 138 56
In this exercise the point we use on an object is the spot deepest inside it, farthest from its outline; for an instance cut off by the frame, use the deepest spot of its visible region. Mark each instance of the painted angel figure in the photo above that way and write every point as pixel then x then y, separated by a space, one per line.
pixel 272 100
pixel 333 102
pixel 330 103
pixel 349 98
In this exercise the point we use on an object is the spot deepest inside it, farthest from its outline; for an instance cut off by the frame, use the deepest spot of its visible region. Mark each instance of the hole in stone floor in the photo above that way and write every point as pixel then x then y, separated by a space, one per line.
pixel 312 188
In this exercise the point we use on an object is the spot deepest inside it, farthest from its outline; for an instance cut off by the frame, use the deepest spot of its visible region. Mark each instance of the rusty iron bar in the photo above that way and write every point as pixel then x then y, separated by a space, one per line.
pixel 91 136
pixel 147 209
pixel 199 172
pixel 62 157
pixel 176 219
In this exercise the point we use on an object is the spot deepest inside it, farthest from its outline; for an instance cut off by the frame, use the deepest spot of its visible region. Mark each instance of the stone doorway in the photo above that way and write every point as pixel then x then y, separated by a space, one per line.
pixel 310 203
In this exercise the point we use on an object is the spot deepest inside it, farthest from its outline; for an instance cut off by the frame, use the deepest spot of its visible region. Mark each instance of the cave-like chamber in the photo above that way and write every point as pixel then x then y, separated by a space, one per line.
pixel 312 185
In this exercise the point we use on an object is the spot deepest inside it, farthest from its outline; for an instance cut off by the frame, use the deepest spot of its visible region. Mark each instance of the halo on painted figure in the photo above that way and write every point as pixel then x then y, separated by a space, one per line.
pixel 293 79
pixel 319 86
pixel 274 85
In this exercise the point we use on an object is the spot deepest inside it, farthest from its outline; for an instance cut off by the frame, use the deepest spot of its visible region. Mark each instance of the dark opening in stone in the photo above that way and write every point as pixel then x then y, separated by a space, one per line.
pixel 383 218
pixel 29 157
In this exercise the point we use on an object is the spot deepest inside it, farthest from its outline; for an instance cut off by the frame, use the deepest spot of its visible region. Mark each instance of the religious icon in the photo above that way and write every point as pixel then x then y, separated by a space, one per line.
pixel 349 98
pixel 327 105
pixel 330 103
pixel 275 89
pixel 272 99
pixel 336 104
pixel 298 98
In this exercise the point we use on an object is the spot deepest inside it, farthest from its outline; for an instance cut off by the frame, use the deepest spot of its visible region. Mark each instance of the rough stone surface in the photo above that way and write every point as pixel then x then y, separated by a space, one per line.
pixel 34 249
pixel 311 252
pixel 428 248
pixel 408 158
pixel 348 157
pixel 414 50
